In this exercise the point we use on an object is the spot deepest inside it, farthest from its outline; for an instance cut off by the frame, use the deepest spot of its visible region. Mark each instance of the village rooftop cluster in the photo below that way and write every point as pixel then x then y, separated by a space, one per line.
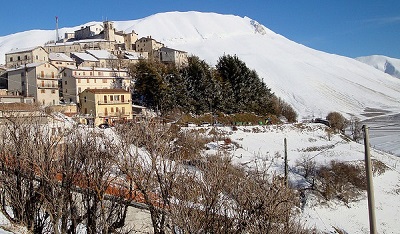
pixel 84 73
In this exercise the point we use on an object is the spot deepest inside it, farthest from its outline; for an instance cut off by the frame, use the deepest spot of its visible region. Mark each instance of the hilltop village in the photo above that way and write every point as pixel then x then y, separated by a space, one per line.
pixel 84 73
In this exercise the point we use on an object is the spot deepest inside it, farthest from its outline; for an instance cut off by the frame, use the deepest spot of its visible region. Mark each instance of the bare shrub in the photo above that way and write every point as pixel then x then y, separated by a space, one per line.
pixel 54 180
pixel 228 199
pixel 306 167
pixel 356 129
pixel 337 121
pixel 378 167
pixel 340 180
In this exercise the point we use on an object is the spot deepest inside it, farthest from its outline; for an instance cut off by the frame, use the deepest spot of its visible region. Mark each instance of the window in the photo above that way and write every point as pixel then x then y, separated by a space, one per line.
pixel 83 73
pixel 52 74
pixel 42 74
pixel 79 80
pixel 65 82
pixel 26 57
pixel 105 111
pixel 84 98
pixel 11 59
pixel 19 58
pixel 37 57
pixel 111 98
pixel 112 109
pixel 116 109
pixel 85 109
pixel 122 98
pixel 42 91
pixel 123 110
pixel 105 98
pixel 53 84
pixel 66 90
pixel 104 80
pixel 42 83
pixel 88 81
pixel 116 97
pixel 53 91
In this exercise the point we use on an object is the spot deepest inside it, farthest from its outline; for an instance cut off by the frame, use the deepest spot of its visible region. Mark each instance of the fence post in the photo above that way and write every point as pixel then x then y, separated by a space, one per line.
pixel 370 185
pixel 286 162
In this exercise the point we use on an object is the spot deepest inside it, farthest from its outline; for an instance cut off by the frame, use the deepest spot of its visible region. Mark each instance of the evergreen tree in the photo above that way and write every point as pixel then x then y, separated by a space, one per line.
pixel 249 92
pixel 150 89
pixel 202 87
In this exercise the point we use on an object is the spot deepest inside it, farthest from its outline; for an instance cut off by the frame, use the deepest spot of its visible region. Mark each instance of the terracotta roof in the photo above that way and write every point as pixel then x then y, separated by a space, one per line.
pixel 18 107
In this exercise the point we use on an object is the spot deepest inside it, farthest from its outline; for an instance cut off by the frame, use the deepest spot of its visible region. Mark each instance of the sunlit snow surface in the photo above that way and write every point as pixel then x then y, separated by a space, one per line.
pixel 258 145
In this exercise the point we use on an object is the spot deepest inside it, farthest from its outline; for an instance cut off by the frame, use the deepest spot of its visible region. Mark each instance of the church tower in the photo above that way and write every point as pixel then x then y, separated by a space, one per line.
pixel 109 32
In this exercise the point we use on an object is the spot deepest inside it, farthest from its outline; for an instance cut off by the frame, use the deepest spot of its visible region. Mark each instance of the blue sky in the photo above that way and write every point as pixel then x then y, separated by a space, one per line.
pixel 346 27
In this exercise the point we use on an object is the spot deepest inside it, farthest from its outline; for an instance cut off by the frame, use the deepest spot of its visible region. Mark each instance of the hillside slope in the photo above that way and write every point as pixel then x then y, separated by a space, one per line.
pixel 313 82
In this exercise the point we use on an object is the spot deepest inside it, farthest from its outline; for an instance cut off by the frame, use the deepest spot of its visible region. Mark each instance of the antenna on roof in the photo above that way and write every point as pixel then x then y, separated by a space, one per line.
pixel 57 35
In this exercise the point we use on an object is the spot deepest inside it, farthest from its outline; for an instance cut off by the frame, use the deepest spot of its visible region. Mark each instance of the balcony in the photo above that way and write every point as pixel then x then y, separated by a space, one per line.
pixel 113 115
pixel 47 86
pixel 114 102
pixel 48 77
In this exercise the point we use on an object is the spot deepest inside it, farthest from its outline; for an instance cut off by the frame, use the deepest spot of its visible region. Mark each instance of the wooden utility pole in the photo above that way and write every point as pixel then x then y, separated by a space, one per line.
pixel 286 163
pixel 370 185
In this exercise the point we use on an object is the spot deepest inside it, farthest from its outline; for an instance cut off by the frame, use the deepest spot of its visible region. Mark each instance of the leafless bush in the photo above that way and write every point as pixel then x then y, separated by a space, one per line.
pixel 54 179
pixel 340 180
pixel 306 167
pixel 224 198
pixel 378 167
pixel 356 129
pixel 337 121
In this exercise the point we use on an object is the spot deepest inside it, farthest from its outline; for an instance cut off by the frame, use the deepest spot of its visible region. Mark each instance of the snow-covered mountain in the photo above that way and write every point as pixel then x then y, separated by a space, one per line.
pixel 313 82
pixel 386 64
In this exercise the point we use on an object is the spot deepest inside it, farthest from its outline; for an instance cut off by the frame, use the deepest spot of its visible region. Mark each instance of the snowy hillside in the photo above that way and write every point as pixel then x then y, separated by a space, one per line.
pixel 386 64
pixel 311 142
pixel 314 82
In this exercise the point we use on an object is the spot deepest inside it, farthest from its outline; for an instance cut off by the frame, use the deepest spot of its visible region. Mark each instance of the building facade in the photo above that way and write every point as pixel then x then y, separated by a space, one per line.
pixel 88 31
pixel 172 56
pixel 20 57
pixel 105 105
pixel 147 44
pixel 76 80
pixel 37 80
pixel 61 60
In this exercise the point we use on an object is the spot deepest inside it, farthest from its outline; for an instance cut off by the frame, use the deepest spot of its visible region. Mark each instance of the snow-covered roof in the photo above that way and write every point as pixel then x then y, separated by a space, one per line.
pixel 85 56
pixel 28 65
pixel 133 55
pixel 90 40
pixel 166 49
pixel 96 69
pixel 76 42
pixel 19 50
pixel 60 57
pixel 59 44
pixel 101 54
